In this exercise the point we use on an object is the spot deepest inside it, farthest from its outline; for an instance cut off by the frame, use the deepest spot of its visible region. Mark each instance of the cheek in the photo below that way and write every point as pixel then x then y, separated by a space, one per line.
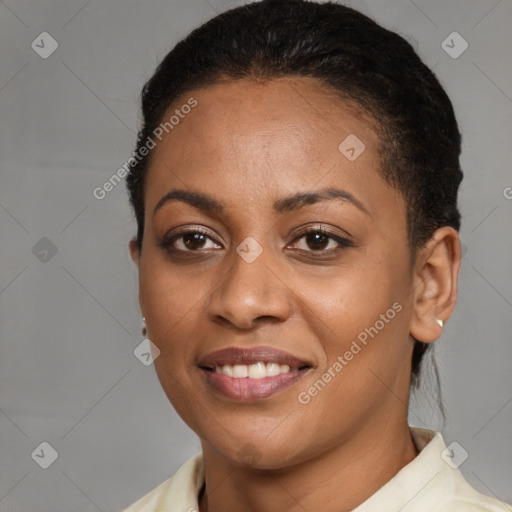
pixel 169 301
pixel 360 318
pixel 171 308
pixel 344 304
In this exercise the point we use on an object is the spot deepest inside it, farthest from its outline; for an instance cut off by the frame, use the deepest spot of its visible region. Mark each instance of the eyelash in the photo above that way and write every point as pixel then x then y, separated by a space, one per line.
pixel 167 242
pixel 343 242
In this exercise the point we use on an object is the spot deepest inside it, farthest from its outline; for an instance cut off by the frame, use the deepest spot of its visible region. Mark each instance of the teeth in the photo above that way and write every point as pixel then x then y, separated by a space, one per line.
pixel 272 369
pixel 227 370
pixel 258 370
pixel 240 371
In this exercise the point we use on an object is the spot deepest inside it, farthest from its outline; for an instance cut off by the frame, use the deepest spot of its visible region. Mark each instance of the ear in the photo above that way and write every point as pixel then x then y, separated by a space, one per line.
pixel 436 272
pixel 134 250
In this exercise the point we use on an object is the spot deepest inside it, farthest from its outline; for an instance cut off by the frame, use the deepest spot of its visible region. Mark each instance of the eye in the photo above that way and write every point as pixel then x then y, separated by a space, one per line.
pixel 190 240
pixel 318 239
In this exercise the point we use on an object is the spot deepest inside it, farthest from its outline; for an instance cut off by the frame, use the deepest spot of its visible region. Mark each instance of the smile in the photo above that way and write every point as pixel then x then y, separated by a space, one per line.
pixel 259 370
pixel 251 374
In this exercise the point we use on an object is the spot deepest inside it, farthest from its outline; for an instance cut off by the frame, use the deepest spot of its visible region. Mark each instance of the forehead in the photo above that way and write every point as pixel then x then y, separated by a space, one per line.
pixel 256 138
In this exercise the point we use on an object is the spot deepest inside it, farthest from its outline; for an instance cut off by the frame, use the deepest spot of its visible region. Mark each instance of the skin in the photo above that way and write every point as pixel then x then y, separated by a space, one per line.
pixel 248 144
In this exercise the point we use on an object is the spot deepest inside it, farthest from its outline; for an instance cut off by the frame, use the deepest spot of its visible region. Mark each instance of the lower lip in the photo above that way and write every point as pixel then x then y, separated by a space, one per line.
pixel 250 390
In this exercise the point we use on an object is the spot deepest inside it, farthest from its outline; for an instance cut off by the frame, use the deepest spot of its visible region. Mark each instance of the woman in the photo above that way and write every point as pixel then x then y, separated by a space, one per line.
pixel 298 253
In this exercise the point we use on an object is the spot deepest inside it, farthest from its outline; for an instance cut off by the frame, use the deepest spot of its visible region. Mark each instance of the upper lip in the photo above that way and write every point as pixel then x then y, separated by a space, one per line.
pixel 248 356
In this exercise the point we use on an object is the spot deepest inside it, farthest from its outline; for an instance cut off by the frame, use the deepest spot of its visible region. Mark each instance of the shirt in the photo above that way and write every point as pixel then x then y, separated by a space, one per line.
pixel 431 482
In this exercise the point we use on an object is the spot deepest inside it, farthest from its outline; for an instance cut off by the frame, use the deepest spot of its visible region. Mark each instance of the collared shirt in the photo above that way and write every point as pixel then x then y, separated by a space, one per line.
pixel 431 482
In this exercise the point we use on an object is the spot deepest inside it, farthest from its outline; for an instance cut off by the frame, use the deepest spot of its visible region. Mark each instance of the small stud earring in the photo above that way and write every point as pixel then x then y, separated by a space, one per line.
pixel 144 330
pixel 439 322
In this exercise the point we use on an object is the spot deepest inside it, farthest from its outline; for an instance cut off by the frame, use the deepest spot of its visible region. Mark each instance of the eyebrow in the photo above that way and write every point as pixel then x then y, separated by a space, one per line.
pixel 286 204
pixel 301 199
pixel 200 201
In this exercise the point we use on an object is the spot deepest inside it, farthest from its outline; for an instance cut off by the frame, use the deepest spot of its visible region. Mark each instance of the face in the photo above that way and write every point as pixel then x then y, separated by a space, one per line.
pixel 275 273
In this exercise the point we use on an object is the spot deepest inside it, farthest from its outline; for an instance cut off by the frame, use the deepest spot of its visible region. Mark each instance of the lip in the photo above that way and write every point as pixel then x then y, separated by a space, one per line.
pixel 247 389
pixel 235 355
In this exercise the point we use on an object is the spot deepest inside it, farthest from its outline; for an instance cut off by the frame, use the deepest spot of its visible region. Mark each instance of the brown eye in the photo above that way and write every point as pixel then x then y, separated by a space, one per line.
pixel 190 240
pixel 317 241
pixel 194 241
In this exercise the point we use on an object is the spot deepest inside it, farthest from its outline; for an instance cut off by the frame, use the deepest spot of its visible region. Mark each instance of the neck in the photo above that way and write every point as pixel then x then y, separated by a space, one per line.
pixel 352 471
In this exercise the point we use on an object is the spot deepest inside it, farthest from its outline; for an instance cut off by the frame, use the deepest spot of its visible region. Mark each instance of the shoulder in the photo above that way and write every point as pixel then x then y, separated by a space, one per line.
pixel 477 503
pixel 452 489
pixel 467 499
pixel 432 481
pixel 178 493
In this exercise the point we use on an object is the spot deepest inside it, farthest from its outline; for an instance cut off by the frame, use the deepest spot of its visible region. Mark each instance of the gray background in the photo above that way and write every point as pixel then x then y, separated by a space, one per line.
pixel 69 325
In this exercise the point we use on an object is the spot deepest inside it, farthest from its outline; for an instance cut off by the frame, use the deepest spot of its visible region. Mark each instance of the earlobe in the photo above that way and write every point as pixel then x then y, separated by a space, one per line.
pixel 435 284
pixel 134 250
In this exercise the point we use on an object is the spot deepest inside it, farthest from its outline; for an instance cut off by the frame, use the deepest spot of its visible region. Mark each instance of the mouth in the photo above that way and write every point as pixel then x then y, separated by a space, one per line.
pixel 251 374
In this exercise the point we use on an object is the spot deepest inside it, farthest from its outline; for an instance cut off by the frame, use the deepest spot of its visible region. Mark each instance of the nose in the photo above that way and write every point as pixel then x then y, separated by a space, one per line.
pixel 249 294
